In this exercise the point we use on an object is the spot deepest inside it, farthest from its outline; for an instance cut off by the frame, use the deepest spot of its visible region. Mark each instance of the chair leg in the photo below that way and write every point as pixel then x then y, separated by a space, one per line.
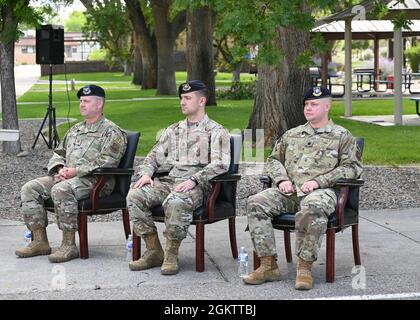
pixel 330 255
pixel 232 236
pixel 257 261
pixel 356 251
pixel 287 245
pixel 126 222
pixel 83 239
pixel 199 247
pixel 136 247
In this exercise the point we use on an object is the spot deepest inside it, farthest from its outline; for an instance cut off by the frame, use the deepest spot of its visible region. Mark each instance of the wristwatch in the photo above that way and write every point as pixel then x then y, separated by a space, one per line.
pixel 194 179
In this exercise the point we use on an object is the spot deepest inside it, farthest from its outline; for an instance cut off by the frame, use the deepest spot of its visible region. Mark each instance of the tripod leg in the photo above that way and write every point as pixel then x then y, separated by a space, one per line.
pixel 56 138
pixel 53 139
pixel 40 130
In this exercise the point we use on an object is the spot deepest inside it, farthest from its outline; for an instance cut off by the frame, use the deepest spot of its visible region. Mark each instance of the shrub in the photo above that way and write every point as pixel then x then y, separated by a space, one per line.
pixel 367 56
pixel 238 91
pixel 413 57
pixel 97 55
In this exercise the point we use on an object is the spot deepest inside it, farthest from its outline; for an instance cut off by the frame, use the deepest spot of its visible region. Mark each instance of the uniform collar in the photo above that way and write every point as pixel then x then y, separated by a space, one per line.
pixel 94 126
pixel 327 128
pixel 200 124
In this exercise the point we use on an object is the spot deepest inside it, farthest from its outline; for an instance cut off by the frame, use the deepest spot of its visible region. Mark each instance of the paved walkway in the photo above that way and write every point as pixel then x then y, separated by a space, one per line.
pixel 390 250
pixel 25 77
pixel 387 120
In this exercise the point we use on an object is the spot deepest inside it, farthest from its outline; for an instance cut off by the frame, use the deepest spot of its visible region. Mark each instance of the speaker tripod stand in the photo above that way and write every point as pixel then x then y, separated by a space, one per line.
pixel 53 138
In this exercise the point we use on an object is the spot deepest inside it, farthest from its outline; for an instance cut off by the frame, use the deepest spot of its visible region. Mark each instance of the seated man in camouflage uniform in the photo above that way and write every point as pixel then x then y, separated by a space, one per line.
pixel 304 166
pixel 195 150
pixel 95 142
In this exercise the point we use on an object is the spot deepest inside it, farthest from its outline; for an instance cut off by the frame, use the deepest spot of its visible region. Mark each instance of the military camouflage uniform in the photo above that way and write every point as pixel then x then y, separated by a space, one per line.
pixel 85 147
pixel 303 154
pixel 201 150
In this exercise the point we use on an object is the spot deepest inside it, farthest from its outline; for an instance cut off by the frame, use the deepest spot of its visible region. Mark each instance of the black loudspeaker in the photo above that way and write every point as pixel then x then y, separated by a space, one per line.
pixel 50 44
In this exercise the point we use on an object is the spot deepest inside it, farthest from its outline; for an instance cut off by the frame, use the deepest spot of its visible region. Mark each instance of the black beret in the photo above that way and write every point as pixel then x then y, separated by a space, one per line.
pixel 91 90
pixel 190 86
pixel 316 93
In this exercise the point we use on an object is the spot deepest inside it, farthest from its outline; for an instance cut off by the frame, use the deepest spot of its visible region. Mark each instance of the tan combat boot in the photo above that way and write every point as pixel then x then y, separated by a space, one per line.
pixel 268 271
pixel 68 249
pixel 303 275
pixel 152 257
pixel 170 264
pixel 39 245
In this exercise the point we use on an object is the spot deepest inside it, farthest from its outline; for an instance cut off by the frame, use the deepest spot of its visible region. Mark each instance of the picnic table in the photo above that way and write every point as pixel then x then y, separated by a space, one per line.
pixel 407 81
pixel 365 76
pixel 416 99
pixel 366 80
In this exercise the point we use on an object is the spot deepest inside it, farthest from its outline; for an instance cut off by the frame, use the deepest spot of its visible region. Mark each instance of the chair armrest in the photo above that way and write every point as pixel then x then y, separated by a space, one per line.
pixel 211 199
pixel 226 177
pixel 350 183
pixel 112 171
pixel 216 183
pixel 266 181
pixel 159 174
pixel 102 174
pixel 345 185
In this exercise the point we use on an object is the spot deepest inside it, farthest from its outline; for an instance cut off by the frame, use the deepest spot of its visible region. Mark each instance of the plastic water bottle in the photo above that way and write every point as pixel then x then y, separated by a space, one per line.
pixel 129 247
pixel 27 237
pixel 243 263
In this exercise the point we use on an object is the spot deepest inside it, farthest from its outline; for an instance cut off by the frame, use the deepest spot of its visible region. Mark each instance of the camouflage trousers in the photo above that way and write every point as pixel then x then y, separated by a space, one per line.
pixel 64 195
pixel 178 207
pixel 311 219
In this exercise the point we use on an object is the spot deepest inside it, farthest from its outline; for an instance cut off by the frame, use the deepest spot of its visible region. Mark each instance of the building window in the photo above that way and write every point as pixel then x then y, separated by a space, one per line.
pixel 74 49
pixel 28 49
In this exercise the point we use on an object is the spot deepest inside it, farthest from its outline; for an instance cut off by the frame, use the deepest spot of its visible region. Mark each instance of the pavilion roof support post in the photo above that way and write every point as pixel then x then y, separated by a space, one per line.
pixel 398 64
pixel 390 49
pixel 376 61
pixel 324 68
pixel 347 69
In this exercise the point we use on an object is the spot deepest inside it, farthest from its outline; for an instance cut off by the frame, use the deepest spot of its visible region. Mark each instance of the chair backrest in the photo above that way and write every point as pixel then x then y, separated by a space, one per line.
pixel 353 199
pixel 235 152
pixel 228 189
pixel 122 183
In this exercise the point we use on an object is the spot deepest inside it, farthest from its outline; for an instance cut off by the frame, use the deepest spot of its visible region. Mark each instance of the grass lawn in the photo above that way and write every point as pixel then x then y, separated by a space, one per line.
pixel 222 78
pixel 383 145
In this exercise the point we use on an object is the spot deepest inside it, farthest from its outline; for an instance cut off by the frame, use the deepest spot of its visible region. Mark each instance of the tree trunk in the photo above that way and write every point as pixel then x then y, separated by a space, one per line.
pixel 7 79
pixel 146 41
pixel 8 95
pixel 280 89
pixel 200 58
pixel 165 47
pixel 137 64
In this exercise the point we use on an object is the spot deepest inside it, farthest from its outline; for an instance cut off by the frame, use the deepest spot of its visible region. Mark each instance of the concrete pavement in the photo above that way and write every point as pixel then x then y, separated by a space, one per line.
pixel 390 251
pixel 25 77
